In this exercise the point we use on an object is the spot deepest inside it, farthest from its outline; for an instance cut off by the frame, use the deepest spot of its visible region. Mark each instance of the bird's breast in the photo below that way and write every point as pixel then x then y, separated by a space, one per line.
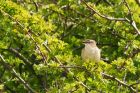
pixel 91 53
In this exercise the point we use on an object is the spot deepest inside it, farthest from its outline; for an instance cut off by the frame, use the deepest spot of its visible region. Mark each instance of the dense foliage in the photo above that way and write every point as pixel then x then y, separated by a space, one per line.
pixel 41 42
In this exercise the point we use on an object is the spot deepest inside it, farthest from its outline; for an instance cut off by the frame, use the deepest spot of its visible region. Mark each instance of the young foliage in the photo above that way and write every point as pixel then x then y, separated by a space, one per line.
pixel 41 42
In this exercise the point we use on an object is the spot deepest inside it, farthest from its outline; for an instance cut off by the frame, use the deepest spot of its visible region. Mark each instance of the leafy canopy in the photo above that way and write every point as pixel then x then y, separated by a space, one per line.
pixel 41 42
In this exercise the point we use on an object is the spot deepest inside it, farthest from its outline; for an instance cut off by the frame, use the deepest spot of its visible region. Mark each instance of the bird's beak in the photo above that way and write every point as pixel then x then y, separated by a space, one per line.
pixel 84 42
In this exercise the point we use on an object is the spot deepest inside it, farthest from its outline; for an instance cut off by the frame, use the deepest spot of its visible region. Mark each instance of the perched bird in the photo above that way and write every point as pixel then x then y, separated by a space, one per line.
pixel 90 52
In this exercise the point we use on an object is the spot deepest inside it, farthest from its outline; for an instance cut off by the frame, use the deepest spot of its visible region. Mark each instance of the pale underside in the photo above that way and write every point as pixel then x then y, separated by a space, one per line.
pixel 91 53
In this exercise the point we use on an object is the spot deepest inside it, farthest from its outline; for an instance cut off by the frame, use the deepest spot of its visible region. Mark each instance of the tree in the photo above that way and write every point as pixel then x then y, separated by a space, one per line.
pixel 40 46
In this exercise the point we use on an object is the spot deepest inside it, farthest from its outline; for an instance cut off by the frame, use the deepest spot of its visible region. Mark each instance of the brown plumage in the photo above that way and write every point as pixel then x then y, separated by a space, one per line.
pixel 90 52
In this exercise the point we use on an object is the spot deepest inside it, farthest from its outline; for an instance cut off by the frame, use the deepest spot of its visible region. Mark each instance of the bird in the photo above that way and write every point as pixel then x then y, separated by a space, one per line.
pixel 90 52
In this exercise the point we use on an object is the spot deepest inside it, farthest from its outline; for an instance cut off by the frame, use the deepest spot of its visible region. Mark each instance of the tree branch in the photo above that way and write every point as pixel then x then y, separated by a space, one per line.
pixel 29 33
pixel 138 82
pixel 138 2
pixel 36 5
pixel 66 68
pixel 20 56
pixel 101 15
pixel 106 76
pixel 7 87
pixel 28 64
pixel 13 71
pixel 43 56
pixel 130 21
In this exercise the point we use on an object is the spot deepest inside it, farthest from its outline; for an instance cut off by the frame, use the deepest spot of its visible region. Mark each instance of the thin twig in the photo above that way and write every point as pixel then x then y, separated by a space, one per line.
pixel 55 58
pixel 131 21
pixel 138 82
pixel 43 56
pixel 138 2
pixel 7 87
pixel 36 5
pixel 133 24
pixel 69 67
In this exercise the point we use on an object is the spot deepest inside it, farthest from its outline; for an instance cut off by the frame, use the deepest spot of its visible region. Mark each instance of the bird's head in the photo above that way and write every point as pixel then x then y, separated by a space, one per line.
pixel 89 42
